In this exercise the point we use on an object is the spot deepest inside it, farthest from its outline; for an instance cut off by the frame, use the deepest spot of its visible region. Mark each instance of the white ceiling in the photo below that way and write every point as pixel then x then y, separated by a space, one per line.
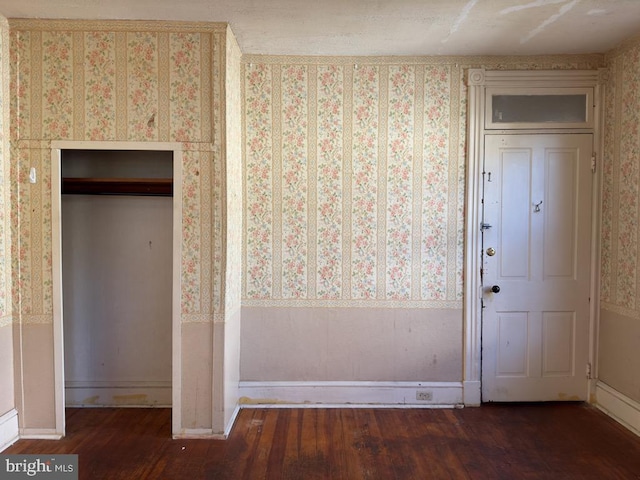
pixel 379 27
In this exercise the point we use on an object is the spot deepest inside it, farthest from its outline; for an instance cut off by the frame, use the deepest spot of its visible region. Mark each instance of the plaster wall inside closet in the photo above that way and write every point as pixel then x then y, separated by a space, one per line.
pixel 117 277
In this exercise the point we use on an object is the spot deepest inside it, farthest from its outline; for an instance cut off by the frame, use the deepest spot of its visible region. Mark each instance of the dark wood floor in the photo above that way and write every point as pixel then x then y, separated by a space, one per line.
pixel 533 441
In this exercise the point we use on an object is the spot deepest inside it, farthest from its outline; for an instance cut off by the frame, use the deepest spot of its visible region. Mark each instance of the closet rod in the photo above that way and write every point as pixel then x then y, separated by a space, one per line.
pixel 161 187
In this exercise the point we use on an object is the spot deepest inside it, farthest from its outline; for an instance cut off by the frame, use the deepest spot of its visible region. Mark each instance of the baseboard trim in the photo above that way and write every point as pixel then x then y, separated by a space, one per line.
pixel 472 391
pixel 350 394
pixel 618 406
pixel 9 429
pixel 232 421
pixel 40 434
pixel 118 394
pixel 199 434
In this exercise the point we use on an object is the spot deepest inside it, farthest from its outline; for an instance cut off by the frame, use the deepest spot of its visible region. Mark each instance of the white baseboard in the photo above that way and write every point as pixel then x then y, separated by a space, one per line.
pixel 199 434
pixel 232 421
pixel 618 406
pixel 40 434
pixel 472 393
pixel 117 394
pixel 9 430
pixel 350 394
pixel 207 433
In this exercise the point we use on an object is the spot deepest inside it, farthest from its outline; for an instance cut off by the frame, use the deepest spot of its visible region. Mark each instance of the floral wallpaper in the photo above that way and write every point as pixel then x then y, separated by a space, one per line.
pixel 620 255
pixel 115 81
pixel 233 176
pixel 5 228
pixel 349 202
pixel 354 178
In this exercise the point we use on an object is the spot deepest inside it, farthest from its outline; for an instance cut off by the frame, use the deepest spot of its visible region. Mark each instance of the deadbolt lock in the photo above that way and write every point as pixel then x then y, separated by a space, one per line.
pixel 491 251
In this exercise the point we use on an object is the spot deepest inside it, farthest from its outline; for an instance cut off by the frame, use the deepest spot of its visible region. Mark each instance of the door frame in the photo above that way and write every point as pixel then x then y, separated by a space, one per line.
pixel 478 80
pixel 56 226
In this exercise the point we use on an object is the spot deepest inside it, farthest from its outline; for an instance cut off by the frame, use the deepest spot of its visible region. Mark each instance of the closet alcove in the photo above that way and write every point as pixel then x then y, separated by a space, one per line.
pixel 117 221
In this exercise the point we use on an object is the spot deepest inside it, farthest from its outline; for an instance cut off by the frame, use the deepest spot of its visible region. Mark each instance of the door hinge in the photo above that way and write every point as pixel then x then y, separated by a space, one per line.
pixel 589 370
pixel 593 162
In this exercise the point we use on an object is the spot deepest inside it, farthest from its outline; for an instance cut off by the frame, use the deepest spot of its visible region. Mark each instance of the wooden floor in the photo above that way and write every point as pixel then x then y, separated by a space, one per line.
pixel 546 441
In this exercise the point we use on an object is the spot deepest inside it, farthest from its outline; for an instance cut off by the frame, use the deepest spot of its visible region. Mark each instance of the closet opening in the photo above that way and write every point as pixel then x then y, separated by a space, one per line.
pixel 118 277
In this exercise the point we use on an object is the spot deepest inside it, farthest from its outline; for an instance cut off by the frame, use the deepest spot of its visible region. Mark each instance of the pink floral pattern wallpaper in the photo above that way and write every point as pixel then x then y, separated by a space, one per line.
pixel 398 181
pixel 620 255
pixel 5 168
pixel 100 86
pixel 259 177
pixel 185 92
pixel 57 84
pixel 364 192
pixel 293 198
pixel 115 81
pixel 330 177
pixel 352 184
pixel 143 80
pixel 354 178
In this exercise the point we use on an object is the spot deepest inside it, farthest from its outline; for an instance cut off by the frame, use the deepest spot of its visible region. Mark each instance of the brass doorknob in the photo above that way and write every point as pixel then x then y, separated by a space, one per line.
pixel 491 251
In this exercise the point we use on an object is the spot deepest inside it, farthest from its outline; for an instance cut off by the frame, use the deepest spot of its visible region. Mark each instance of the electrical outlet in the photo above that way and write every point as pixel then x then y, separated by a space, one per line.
pixel 424 395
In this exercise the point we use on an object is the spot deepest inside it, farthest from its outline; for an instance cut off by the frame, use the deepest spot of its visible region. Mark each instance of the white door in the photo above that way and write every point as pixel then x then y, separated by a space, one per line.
pixel 537 259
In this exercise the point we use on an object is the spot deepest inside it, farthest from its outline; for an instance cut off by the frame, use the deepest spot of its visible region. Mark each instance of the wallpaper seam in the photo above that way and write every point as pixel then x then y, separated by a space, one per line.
pixel 245 190
pixel 73 25
pixel 277 181
pixel 206 52
pixel 625 312
pixel 164 81
pixel 347 180
pixel 382 177
pixel 461 166
pixel 312 177
pixel 206 243
pixel 122 121
pixel 37 237
pixel 615 180
pixel 352 303
pixel 212 52
pixel 36 85
pixel 452 226
pixel 78 86
pixel 418 161
pixel 495 62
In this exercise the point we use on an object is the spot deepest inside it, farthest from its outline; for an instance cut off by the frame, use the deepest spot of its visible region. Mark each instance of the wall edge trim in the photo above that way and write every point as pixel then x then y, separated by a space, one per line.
pixel 618 406
pixel 198 433
pixel 40 434
pixel 349 394
pixel 9 430
pixel 44 24
pixel 472 391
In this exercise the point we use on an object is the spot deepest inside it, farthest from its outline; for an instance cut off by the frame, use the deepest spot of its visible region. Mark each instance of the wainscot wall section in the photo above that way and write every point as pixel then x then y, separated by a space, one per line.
pixel 151 82
pixel 618 390
pixel 354 175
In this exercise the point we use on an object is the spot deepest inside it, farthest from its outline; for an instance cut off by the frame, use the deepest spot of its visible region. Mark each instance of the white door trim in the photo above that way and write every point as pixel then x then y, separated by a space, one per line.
pixel 56 227
pixel 477 81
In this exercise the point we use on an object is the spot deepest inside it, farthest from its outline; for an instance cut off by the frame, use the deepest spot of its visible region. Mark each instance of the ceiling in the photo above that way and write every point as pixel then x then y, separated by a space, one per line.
pixel 379 27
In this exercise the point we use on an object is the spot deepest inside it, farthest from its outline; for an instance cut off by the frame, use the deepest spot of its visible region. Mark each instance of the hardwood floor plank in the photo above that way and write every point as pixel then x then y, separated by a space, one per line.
pixel 493 442
pixel 398 442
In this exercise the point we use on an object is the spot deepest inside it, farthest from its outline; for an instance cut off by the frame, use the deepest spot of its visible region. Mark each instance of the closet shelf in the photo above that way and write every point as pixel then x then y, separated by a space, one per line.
pixel 162 187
